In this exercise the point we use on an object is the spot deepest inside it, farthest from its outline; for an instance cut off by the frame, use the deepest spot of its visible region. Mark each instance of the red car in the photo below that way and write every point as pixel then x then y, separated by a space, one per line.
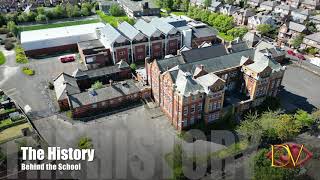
pixel 290 52
pixel 66 59
pixel 300 56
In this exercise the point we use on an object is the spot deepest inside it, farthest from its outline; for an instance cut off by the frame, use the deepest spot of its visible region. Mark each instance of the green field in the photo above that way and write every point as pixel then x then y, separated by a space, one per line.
pixel 12 132
pixel 56 25
pixel 2 58
pixel 114 21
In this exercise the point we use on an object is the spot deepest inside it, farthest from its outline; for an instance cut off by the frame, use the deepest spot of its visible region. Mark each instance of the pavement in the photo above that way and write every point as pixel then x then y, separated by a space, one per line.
pixel 124 143
pixel 301 89
pixel 32 91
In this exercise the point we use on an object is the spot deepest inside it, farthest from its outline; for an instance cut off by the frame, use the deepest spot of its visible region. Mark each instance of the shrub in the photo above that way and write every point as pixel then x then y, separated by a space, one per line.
pixel 2 58
pixel 28 71
pixel 116 10
pixel 4 30
pixel 85 143
pixel 20 55
pixel 97 85
pixel 312 50
pixel 9 35
pixel 8 45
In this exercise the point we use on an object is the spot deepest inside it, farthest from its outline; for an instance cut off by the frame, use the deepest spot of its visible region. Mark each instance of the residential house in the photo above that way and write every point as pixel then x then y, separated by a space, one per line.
pixel 268 5
pixel 316 20
pixel 310 4
pixel 254 3
pixel 139 8
pixel 118 44
pixel 312 40
pixel 94 54
pixel 293 3
pixel 288 31
pixel 138 42
pixel 228 9
pixel 241 16
pixel 301 15
pixel 106 5
pixel 256 20
pixel 215 6
pixel 203 90
pixel 283 9
pixel 273 52
pixel 197 2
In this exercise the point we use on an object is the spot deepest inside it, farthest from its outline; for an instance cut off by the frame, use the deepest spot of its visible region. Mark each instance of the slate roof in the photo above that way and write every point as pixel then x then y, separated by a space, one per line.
pixel 91 44
pixel 123 64
pixel 262 61
pixel 316 17
pixel 218 63
pixel 285 6
pixel 65 83
pixel 314 37
pixel 164 27
pixel 128 30
pixel 297 27
pixel 251 37
pixel 240 46
pixel 145 28
pixel 103 94
pixel 96 72
pixel 199 54
pixel 215 4
pixel 310 2
pixel 186 85
pixel 208 80
pixel 306 12
pixel 269 3
pixel 111 34
pixel 166 64
pixel 204 32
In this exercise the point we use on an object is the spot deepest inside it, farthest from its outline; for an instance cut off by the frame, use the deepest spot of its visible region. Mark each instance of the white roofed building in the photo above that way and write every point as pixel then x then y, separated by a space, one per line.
pixel 47 41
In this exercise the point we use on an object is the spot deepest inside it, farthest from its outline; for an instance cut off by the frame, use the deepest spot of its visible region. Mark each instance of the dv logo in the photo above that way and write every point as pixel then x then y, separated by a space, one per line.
pixel 288 155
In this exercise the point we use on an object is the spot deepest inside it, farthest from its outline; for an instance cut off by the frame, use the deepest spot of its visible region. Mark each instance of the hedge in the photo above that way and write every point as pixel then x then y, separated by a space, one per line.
pixel 2 58
pixel 20 55
pixel 12 124
pixel 28 71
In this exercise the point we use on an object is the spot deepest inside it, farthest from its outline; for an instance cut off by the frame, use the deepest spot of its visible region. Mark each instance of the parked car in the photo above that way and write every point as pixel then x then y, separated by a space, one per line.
pixel 300 56
pixel 290 52
pixel 66 59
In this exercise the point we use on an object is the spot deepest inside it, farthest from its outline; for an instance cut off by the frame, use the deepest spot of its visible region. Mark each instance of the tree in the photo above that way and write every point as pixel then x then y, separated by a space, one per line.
pixel 297 41
pixel 11 17
pixel 58 12
pixel 97 85
pixel 223 23
pixel 286 127
pixel 212 17
pixel 185 5
pixel 69 10
pixel 237 32
pixel 262 170
pixel 12 27
pixel 85 143
pixel 86 9
pixel 250 127
pixel 205 16
pixel 2 20
pixel 264 29
pixel 304 118
pixel 76 11
pixel 41 18
pixel 40 10
pixel 116 10
pixel 177 4
pixel 207 3
pixel 133 66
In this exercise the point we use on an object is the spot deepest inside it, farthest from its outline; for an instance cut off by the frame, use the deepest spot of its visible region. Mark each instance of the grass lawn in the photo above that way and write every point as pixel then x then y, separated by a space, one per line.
pixel 2 58
pixel 179 13
pixel 56 25
pixel 114 21
pixel 225 37
pixel 12 132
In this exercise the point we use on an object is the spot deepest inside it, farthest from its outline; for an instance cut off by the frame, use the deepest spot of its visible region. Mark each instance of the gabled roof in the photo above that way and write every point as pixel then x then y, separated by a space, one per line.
pixel 184 48
pixel 164 27
pixel 208 80
pixel 262 61
pixel 314 37
pixel 186 85
pixel 285 6
pixel 251 37
pixel 269 3
pixel 123 64
pixel 64 84
pixel 110 33
pixel 145 28
pixel 128 30
pixel 195 55
pixel 297 27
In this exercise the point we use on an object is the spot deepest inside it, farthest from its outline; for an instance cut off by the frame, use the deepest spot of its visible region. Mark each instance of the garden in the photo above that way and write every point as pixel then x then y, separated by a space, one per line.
pixel 114 20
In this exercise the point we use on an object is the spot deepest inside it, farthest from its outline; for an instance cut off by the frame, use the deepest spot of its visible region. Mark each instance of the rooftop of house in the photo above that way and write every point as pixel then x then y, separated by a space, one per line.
pixel 64 84
pixel 91 44
pixel 285 7
pixel 109 92
pixel 310 2
pixel 146 28
pixel 269 3
pixel 204 32
pixel 198 54
pixel 128 30
pixel 306 12
pixel 136 5
pixel 314 37
pixel 297 27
